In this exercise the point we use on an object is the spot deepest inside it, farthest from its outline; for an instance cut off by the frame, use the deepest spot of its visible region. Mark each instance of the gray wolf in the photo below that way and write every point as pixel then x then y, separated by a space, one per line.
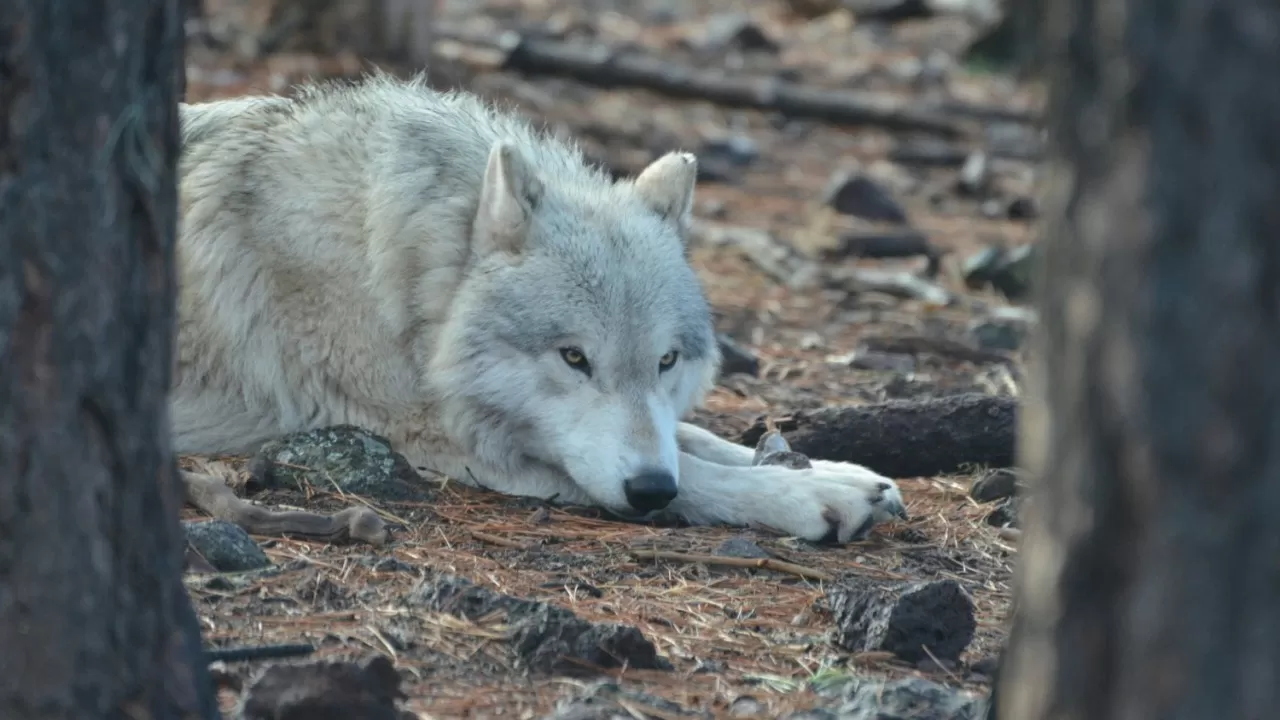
pixel 438 271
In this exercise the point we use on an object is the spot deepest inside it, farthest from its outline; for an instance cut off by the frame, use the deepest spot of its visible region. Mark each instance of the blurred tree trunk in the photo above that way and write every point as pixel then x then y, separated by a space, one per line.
pixel 94 621
pixel 1149 580
pixel 404 30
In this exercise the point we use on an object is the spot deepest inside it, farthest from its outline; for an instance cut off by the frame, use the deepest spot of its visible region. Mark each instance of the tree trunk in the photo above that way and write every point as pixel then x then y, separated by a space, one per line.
pixel 1149 581
pixel 94 621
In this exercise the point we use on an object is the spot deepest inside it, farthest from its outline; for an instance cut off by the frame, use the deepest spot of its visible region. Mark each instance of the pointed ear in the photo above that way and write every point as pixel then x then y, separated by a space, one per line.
pixel 666 186
pixel 509 194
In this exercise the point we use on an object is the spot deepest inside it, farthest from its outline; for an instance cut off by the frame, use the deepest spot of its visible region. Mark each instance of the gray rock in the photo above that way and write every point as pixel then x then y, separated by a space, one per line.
pixel 227 547
pixel 609 701
pixel 1005 329
pixel 905 699
pixel 913 620
pixel 994 485
pixel 353 459
pixel 1008 271
pixel 736 358
pixel 858 195
pixel 735 31
pixel 1006 513
pixel 543 638
pixel 975 174
pixel 740 547
pixel 746 706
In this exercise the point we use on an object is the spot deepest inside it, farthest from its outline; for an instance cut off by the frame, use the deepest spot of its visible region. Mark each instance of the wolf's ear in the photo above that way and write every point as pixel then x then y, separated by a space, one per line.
pixel 508 196
pixel 666 186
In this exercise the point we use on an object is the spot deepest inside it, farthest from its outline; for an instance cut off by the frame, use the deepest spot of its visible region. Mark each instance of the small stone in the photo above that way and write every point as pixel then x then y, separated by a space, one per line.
pixel 858 195
pixel 975 174
pixel 746 706
pixel 1006 513
pixel 995 485
pixel 1022 208
pixel 986 665
pixel 737 150
pixel 889 10
pixel 1004 329
pixel 993 210
pixel 227 547
pixel 736 358
pixel 813 714
pixel 864 359
pixel 735 31
pixel 740 547
pixel 909 698
pixel 1009 272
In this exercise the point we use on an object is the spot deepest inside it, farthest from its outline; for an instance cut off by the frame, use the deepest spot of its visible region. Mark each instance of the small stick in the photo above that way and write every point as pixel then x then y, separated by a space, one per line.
pixel 1009 533
pixel 496 540
pixel 259 652
pixel 764 563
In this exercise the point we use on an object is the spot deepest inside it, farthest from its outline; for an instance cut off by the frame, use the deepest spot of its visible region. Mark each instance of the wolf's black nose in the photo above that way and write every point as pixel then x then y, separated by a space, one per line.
pixel 650 490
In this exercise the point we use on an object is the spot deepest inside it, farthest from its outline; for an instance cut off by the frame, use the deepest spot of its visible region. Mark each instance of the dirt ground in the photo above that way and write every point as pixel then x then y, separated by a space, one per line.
pixel 728 632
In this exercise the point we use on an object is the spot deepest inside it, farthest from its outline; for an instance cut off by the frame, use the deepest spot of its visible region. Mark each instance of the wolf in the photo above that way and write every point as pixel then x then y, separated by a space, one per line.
pixel 436 269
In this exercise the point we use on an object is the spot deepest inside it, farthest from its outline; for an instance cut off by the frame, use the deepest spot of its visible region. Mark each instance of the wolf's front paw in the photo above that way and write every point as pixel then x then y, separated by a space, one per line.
pixel 831 502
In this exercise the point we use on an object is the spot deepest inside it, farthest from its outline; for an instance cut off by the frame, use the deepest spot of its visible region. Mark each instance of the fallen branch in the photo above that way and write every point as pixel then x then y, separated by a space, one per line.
pixel 211 495
pixel 906 438
pixel 257 652
pixel 781 566
pixel 899 284
pixel 603 66
pixel 943 347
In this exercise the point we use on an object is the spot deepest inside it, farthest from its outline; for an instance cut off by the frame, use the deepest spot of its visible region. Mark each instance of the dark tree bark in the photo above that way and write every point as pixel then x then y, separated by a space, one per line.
pixel 1149 581
pixel 94 621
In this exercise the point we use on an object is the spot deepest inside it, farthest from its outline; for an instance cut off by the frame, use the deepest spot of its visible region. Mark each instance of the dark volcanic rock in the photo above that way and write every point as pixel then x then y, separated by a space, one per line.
pixel 858 195
pixel 327 691
pixel 736 358
pixel 544 638
pixel 994 485
pixel 903 618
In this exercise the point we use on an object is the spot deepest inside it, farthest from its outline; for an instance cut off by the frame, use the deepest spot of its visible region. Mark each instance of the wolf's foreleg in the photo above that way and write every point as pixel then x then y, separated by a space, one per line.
pixel 708 446
pixel 830 501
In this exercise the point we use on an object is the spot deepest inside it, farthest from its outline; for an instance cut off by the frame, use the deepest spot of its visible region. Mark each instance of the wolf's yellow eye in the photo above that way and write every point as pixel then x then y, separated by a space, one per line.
pixel 575 359
pixel 667 361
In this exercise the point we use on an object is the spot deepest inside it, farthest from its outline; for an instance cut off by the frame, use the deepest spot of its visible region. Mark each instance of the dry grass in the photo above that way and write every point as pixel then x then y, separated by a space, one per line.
pixel 728 630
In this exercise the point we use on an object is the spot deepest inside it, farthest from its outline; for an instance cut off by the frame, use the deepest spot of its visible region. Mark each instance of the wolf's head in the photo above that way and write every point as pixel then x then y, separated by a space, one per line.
pixel 580 335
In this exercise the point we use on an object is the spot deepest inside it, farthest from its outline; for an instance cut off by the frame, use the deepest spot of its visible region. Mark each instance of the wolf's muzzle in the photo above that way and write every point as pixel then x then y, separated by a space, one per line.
pixel 650 490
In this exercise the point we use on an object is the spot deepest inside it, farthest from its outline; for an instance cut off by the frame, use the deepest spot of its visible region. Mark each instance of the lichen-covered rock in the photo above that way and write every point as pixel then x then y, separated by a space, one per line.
pixel 906 699
pixel 227 547
pixel 609 701
pixel 353 459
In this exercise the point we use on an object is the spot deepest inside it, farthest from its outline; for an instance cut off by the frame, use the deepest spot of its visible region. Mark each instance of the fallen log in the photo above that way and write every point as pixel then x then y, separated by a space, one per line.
pixel 905 438
pixel 603 66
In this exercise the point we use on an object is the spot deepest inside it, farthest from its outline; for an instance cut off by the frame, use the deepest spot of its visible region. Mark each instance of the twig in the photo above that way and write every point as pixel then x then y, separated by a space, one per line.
pixel 496 540
pixel 762 563
pixel 258 652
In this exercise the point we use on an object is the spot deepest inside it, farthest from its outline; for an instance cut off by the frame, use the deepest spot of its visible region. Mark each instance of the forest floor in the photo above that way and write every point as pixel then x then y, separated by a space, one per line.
pixel 780 263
